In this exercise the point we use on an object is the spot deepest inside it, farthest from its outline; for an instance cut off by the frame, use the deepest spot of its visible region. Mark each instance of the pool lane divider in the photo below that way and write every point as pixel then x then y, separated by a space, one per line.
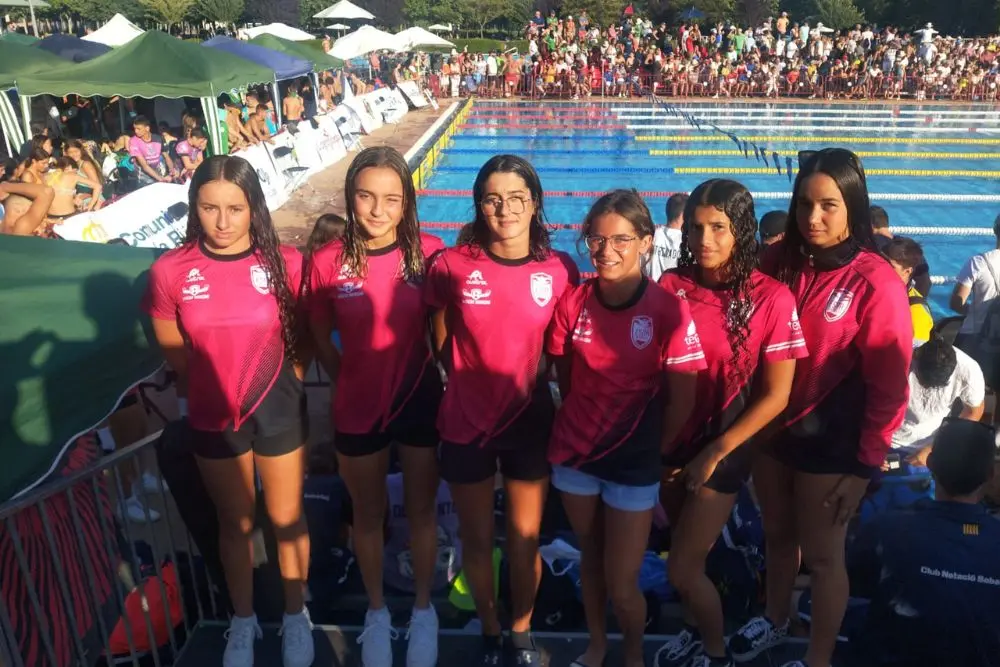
pixel 439 136
pixel 901 230
pixel 764 195
pixel 959 173
pixel 923 155
pixel 837 139
pixel 539 126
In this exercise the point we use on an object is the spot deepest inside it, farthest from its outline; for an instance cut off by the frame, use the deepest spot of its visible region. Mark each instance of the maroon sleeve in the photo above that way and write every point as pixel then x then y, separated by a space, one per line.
pixel 770 258
pixel 572 270
pixel 682 351
pixel 160 300
pixel 437 282
pixel 563 318
pixel 430 244
pixel 783 339
pixel 885 341
pixel 293 268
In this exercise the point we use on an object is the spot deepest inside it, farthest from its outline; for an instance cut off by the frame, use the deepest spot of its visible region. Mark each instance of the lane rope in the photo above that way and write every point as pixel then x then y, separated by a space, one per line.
pixel 924 155
pixel 886 128
pixel 963 173
pixel 836 139
pixel 900 230
pixel 764 195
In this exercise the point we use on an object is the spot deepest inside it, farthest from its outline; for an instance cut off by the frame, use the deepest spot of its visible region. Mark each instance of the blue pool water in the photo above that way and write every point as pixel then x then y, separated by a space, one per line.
pixel 580 149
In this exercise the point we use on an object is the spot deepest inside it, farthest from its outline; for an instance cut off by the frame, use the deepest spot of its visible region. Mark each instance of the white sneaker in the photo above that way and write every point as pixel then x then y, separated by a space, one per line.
pixel 297 649
pixel 152 484
pixel 240 636
pixel 422 635
pixel 135 511
pixel 376 640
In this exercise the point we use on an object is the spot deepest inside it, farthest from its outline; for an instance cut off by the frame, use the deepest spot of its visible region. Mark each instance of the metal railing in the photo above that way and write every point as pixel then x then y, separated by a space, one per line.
pixel 68 560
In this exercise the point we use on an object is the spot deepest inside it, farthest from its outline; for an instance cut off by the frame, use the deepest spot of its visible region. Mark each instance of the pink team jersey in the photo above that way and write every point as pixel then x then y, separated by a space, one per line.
pixel 618 356
pixel 774 335
pixel 497 313
pixel 382 322
pixel 229 316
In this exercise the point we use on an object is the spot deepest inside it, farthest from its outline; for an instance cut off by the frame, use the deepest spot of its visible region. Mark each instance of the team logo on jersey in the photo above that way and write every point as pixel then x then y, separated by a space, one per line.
pixel 642 331
pixel 541 288
pixel 793 323
pixel 345 273
pixel 194 292
pixel 682 294
pixel 475 278
pixel 349 290
pixel 691 335
pixel 260 279
pixel 584 329
pixel 837 305
pixel 193 276
pixel 476 296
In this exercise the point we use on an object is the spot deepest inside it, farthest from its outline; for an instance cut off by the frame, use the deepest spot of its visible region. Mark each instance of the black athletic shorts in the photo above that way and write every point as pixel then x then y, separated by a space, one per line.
pixel 519 452
pixel 278 426
pixel 729 476
pixel 415 425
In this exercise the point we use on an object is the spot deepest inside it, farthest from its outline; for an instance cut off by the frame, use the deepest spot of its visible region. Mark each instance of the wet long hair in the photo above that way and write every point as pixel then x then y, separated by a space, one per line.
pixel 733 199
pixel 846 170
pixel 540 245
pixel 625 203
pixel 355 253
pixel 263 237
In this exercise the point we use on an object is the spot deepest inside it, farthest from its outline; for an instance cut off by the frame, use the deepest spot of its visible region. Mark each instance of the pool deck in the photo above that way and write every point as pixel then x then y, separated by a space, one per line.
pixel 324 192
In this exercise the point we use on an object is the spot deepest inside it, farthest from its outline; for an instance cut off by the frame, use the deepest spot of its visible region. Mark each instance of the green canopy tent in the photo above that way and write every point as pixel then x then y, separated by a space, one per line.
pixel 321 61
pixel 153 64
pixel 73 341
pixel 17 59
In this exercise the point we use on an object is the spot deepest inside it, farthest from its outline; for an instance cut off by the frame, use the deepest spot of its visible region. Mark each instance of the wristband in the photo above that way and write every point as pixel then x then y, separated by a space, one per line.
pixel 182 406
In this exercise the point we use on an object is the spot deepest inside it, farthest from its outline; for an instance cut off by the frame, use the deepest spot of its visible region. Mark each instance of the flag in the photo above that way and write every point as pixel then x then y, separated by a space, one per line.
pixel 73 341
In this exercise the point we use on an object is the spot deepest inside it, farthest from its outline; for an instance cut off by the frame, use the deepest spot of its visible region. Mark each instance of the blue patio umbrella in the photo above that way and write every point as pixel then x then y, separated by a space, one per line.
pixel 283 65
pixel 72 48
pixel 692 14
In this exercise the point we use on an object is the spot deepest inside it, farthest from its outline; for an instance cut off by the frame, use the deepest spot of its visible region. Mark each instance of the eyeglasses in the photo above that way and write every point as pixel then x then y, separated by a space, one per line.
pixel 619 242
pixel 515 205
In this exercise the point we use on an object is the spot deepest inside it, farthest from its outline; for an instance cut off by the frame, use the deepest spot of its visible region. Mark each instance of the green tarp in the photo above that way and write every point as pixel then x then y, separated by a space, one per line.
pixel 17 59
pixel 153 64
pixel 321 60
pixel 73 340
pixel 18 38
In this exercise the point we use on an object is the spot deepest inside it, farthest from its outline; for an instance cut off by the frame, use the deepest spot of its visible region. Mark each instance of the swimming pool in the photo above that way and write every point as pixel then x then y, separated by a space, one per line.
pixel 935 169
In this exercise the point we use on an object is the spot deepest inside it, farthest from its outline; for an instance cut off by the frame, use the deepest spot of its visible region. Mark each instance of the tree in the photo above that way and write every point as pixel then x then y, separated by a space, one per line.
pixel 755 11
pixel 838 14
pixel 714 10
pixel 227 12
pixel 170 12
pixel 273 11
pixel 483 12
pixel 603 12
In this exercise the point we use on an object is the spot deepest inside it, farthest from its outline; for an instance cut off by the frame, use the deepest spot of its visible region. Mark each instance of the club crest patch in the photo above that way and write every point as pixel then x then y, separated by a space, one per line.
pixel 541 288
pixel 837 305
pixel 260 279
pixel 642 331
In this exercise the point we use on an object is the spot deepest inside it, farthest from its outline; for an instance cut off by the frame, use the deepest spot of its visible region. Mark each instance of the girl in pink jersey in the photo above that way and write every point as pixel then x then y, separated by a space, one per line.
pixel 627 355
pixel 750 334
pixel 224 314
pixel 366 285
pixel 848 397
pixel 494 297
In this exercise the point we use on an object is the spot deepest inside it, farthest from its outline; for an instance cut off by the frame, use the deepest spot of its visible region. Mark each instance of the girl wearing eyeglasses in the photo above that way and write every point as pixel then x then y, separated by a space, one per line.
pixel 627 354
pixel 750 333
pixel 848 397
pixel 366 285
pixel 494 296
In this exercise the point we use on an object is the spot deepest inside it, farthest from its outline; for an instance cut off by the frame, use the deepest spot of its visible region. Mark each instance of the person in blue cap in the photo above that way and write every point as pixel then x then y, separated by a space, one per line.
pixel 932 571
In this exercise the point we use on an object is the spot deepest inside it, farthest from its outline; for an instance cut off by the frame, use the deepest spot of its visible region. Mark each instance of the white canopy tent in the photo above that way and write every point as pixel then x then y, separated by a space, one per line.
pixel 119 31
pixel 416 38
pixel 345 9
pixel 338 26
pixel 363 41
pixel 279 30
pixel 441 27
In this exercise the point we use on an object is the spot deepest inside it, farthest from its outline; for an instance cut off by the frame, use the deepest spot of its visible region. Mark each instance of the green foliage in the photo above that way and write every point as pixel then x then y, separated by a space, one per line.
pixel 603 12
pixel 220 11
pixel 91 10
pixel 714 10
pixel 838 14
pixel 756 11
pixel 480 13
pixel 170 12
pixel 427 12
pixel 486 45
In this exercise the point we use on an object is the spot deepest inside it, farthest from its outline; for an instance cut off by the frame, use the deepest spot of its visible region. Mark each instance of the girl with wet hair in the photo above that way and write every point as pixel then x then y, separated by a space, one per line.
pixel 750 334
